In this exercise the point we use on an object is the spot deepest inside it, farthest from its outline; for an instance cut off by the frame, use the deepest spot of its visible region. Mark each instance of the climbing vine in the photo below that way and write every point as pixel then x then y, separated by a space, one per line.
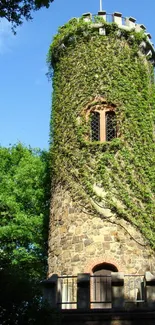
pixel 88 66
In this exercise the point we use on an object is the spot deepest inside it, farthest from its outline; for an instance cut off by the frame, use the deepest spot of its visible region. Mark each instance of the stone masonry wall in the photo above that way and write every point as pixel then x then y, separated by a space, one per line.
pixel 78 241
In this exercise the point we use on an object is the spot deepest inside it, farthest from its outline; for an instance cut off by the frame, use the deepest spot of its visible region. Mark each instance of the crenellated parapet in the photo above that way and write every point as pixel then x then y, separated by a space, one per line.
pixel 122 27
pixel 124 23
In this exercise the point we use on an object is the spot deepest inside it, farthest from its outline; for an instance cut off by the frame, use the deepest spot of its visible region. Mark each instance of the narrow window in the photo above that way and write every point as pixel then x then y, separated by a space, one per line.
pixel 95 126
pixel 110 125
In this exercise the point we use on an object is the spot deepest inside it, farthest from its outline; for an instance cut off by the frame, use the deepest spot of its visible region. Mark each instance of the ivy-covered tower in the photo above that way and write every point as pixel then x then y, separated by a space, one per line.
pixel 103 158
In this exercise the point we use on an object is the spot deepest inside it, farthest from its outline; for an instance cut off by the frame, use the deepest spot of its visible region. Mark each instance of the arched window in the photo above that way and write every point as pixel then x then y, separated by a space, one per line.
pixel 101 286
pixel 103 125
pixel 102 120
pixel 104 266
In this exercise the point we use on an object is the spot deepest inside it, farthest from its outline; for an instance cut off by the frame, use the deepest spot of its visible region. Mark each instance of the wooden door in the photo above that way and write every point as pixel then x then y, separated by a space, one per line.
pixel 101 289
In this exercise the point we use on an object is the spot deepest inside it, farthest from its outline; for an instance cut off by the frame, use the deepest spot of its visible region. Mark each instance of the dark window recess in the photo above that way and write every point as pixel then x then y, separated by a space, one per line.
pixel 95 126
pixel 110 125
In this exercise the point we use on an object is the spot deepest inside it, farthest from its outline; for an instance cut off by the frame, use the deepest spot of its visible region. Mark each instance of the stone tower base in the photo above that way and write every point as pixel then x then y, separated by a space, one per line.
pixel 78 241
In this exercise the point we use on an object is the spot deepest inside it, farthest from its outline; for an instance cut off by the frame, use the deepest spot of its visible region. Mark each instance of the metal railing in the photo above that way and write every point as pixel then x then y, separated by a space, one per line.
pixel 109 18
pixel 100 291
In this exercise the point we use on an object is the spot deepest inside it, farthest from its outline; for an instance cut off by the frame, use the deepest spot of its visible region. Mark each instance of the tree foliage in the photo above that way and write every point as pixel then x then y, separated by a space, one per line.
pixel 24 210
pixel 16 10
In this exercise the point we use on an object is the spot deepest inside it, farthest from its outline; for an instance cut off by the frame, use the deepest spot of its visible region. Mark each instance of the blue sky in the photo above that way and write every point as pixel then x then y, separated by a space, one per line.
pixel 25 92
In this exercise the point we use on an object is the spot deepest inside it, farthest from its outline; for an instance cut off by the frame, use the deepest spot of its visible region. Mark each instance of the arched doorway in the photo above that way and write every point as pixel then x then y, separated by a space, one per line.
pixel 101 285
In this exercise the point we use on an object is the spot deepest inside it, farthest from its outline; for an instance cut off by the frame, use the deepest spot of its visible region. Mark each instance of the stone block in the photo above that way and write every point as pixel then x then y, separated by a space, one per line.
pixel 72 229
pixel 87 17
pixel 78 231
pixel 78 247
pixel 131 22
pixel 98 239
pixel 57 252
pixel 106 246
pixel 107 238
pixel 76 239
pixel 102 14
pixel 140 27
pixel 117 18
pixel 67 254
pixel 75 258
pixel 87 242
pixel 90 249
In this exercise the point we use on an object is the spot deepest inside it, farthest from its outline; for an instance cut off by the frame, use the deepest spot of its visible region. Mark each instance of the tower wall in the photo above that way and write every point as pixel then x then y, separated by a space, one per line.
pixel 102 207
pixel 79 241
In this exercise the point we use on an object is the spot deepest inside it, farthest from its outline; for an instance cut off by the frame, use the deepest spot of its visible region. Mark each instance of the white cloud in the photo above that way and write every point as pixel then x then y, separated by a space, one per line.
pixel 6 36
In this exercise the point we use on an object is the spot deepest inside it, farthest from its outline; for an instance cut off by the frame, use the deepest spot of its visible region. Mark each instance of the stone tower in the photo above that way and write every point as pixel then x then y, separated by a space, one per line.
pixel 102 206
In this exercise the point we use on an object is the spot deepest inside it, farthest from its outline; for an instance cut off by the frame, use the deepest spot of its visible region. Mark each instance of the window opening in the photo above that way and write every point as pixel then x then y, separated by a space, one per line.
pixel 104 266
pixel 110 125
pixel 95 126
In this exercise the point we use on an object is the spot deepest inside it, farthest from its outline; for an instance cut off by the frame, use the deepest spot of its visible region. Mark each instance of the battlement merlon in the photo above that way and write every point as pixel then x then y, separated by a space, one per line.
pixel 125 23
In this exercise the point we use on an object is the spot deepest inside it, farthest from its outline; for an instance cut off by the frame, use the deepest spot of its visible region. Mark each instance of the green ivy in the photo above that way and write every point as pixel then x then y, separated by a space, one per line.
pixel 87 65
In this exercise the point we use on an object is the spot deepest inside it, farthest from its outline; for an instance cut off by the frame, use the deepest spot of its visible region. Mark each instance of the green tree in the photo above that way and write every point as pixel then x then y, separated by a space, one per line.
pixel 24 210
pixel 16 10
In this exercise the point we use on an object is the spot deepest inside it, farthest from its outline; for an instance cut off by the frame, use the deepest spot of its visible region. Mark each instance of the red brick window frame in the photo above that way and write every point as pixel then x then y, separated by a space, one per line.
pixel 102 120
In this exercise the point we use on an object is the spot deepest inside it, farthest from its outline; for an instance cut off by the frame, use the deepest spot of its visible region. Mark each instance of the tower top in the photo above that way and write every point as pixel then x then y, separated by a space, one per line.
pixel 122 26
pixel 126 23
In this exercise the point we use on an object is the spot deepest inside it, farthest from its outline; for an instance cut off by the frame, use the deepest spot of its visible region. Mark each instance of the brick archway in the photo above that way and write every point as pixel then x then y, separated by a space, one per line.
pixel 101 260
